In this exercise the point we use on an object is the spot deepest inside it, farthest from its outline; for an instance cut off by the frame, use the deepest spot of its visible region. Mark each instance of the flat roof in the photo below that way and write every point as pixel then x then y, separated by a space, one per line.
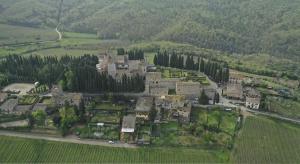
pixel 128 124
pixel 144 104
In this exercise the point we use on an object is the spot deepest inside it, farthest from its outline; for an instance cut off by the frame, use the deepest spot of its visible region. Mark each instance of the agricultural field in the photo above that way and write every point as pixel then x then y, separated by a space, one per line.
pixel 37 151
pixel 12 35
pixel 285 107
pixel 265 140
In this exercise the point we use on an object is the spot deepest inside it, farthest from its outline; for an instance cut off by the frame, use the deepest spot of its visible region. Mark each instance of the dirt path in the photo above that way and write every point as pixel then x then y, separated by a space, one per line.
pixel 68 139
pixel 59 33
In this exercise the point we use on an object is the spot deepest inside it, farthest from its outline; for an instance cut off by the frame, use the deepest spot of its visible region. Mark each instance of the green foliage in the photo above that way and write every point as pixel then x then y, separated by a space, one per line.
pixel 39 117
pixel 120 51
pixel 68 117
pixel 203 99
pixel 269 26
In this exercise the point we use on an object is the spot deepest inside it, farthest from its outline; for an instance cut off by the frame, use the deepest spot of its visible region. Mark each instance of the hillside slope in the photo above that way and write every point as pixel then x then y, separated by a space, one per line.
pixel 242 26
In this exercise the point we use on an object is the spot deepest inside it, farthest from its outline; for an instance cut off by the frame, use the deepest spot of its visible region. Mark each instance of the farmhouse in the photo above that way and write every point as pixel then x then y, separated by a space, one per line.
pixel 189 89
pixel 253 98
pixel 3 97
pixel 143 107
pixel 234 91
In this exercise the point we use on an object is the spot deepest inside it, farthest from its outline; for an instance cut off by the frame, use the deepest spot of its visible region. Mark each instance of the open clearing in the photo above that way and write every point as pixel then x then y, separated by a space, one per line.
pixel 36 151
pixel 16 87
pixel 17 34
pixel 264 140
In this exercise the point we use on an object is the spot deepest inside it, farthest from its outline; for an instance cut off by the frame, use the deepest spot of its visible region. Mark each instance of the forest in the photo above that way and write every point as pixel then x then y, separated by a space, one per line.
pixel 234 26
pixel 72 73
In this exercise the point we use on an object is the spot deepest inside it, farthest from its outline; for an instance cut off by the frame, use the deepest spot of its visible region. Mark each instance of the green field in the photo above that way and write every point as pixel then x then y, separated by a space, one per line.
pixel 285 107
pixel 14 150
pixel 16 34
pixel 267 141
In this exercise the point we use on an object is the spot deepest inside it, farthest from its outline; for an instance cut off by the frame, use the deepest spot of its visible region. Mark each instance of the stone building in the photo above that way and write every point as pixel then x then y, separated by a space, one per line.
pixel 189 89
pixel 128 128
pixel 234 91
pixel 158 91
pixel 253 98
pixel 143 107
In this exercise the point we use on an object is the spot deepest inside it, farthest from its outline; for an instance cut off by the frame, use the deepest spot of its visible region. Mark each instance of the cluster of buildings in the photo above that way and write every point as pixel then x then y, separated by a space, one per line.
pixel 158 86
pixel 251 96
pixel 12 105
pixel 157 109
pixel 117 66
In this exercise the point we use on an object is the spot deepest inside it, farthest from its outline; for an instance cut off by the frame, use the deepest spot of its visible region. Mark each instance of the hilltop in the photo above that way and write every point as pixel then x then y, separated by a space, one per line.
pixel 235 26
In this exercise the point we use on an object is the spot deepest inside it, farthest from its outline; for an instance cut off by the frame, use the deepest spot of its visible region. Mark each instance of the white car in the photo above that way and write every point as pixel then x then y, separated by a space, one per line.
pixel 111 142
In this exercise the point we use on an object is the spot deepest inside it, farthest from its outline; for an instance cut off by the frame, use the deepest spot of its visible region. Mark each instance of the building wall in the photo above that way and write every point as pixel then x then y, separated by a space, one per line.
pixel 188 88
pixel 252 105
pixel 159 91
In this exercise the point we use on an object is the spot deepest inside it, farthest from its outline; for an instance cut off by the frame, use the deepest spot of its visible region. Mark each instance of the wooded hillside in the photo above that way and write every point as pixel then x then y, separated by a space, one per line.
pixel 241 26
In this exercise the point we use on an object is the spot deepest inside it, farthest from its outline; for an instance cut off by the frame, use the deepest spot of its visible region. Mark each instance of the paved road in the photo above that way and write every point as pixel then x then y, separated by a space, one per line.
pixel 68 139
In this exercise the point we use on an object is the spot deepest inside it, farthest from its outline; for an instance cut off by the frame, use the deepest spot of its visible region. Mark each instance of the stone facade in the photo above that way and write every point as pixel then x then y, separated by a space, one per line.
pixel 190 89
pixel 158 91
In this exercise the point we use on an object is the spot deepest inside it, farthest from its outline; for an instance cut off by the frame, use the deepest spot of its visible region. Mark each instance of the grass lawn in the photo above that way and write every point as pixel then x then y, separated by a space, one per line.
pixel 109 106
pixel 264 140
pixel 110 118
pixel 41 151
pixel 16 34
pixel 63 51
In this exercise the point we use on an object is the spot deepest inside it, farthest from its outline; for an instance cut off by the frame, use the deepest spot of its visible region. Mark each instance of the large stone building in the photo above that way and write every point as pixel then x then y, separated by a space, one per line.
pixel 234 91
pixel 189 89
pixel 158 91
